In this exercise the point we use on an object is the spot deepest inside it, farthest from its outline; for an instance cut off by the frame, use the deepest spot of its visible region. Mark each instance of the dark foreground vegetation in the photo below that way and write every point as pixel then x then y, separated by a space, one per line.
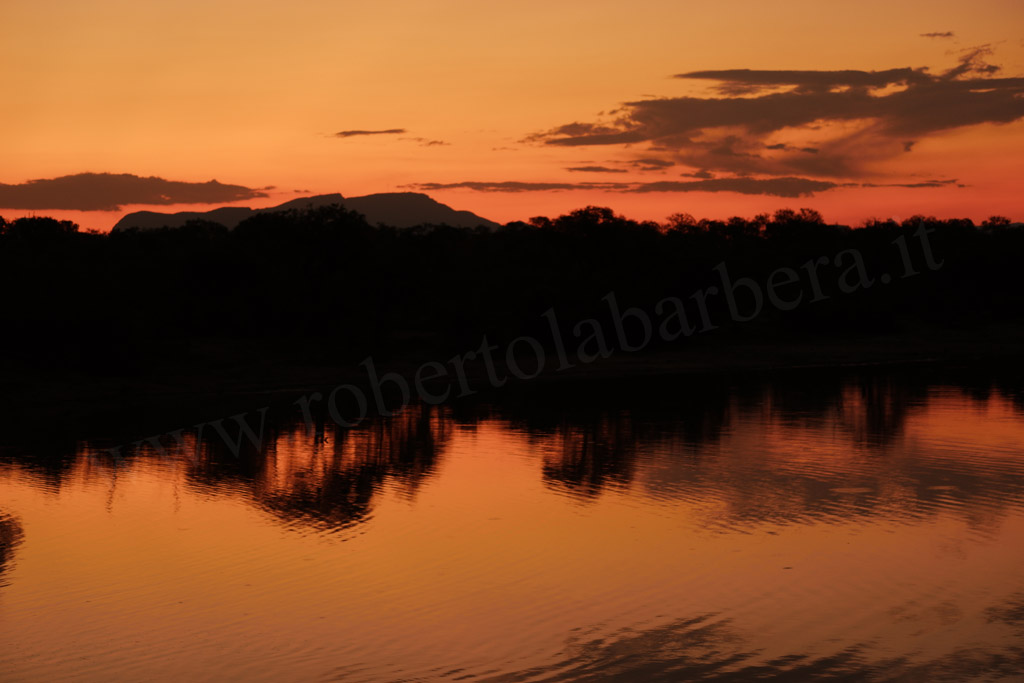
pixel 323 286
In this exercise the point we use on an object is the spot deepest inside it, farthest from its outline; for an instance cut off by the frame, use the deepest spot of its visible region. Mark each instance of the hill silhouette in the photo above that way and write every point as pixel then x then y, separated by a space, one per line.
pixel 396 209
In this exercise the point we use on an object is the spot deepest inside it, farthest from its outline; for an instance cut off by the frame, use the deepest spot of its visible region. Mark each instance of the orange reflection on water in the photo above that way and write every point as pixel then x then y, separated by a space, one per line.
pixel 866 528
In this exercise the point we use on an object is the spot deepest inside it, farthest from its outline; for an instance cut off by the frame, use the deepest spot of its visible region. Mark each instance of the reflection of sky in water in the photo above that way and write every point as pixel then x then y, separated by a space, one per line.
pixel 860 528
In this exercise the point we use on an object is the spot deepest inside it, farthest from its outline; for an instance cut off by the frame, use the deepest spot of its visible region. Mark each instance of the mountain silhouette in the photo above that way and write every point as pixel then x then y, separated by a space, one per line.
pixel 397 209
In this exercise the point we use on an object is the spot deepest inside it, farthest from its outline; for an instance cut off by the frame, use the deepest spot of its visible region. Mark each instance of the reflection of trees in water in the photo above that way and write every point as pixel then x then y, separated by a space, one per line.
pixel 598 434
pixel 332 476
pixel 810 446
pixel 872 410
pixel 329 477
pixel 693 437
pixel 47 456
pixel 10 536
pixel 592 434
pixel 820 444
pixel 593 455
pixel 750 448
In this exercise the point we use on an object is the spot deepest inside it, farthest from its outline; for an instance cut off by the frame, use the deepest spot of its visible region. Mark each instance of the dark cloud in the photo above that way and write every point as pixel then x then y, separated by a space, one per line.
pixel 836 123
pixel 776 187
pixel 937 34
pixel 595 169
pixel 698 174
pixel 110 191
pixel 515 186
pixel 745 80
pixel 353 133
pixel 650 164
pixel 791 148
pixel 922 184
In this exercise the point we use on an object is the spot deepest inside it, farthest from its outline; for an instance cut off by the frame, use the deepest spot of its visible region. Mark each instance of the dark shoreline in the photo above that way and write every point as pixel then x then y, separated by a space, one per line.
pixel 167 399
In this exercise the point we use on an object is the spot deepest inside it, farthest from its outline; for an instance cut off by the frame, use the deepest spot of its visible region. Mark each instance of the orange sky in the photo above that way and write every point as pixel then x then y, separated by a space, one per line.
pixel 251 93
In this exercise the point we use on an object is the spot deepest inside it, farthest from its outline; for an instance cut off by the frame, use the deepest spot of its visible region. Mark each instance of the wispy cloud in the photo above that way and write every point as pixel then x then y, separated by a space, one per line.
pixel 938 34
pixel 427 142
pixel 595 169
pixel 355 133
pixel 424 142
pixel 111 191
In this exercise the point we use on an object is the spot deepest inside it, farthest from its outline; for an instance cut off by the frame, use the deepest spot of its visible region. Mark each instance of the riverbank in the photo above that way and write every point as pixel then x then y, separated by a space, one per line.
pixel 225 379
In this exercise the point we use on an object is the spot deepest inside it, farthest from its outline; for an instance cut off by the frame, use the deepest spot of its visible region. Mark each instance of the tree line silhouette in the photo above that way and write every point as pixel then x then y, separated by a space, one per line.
pixel 325 285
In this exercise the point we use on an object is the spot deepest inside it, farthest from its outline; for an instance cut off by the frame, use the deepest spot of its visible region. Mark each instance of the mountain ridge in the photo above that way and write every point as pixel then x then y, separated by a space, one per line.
pixel 396 209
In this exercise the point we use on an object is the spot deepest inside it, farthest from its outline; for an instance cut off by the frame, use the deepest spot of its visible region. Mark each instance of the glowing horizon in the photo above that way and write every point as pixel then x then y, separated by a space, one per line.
pixel 921 106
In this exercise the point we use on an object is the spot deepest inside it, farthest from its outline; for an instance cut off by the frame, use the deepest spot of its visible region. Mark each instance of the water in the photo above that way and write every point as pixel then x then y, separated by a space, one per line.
pixel 857 528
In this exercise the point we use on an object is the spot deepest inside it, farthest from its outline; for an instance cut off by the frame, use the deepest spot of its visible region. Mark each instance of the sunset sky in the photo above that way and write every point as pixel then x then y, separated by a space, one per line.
pixel 859 109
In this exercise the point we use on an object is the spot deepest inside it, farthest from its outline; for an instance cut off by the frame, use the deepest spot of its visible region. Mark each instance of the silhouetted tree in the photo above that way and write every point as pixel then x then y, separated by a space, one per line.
pixel 996 222
pixel 38 227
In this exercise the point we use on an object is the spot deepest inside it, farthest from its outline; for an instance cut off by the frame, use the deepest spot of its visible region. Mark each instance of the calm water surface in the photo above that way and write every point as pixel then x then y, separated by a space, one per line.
pixel 855 529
